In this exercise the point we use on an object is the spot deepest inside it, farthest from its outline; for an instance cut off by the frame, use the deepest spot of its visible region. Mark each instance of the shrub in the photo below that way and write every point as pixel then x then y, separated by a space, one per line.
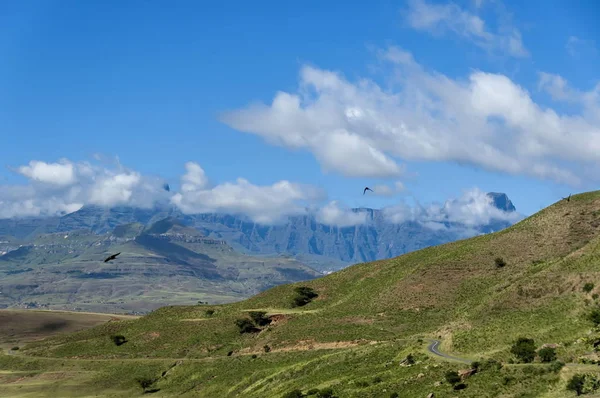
pixel 260 318
pixel 118 339
pixel 524 349
pixel 377 379
pixel 144 382
pixel 576 384
pixel 595 296
pixel 594 316
pixel 312 391
pixel 410 359
pixel 209 312
pixel 394 395
pixel 490 364
pixel 460 386
pixel 326 393
pixel 556 366
pixel 15 348
pixel 452 377
pixel 254 356
pixel 230 353
pixel 267 348
pixel 294 394
pixel 588 287
pixel 304 295
pixel 547 354
pixel 245 325
pixel 476 365
pixel 500 263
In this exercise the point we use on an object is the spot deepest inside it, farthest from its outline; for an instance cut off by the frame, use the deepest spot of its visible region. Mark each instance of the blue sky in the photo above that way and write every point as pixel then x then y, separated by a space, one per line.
pixel 159 84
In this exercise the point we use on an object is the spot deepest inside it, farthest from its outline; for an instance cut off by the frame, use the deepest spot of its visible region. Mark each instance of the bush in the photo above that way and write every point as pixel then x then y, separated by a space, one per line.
pixel 245 325
pixel 588 287
pixel 410 359
pixel 490 364
pixel 209 312
pixel 267 348
pixel 377 379
pixel 118 339
pixel 294 394
pixel 144 382
pixel 595 296
pixel 15 348
pixel 312 391
pixel 500 263
pixel 394 395
pixel 326 393
pixel 254 356
pixel 576 384
pixel 452 377
pixel 260 318
pixel 547 354
pixel 556 366
pixel 524 349
pixel 594 316
pixel 304 295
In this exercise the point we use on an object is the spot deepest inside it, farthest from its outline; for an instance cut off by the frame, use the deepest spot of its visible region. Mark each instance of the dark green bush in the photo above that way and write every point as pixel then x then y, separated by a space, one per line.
pixel 524 349
pixel 294 394
pixel 452 377
pixel 547 354
pixel 118 339
pixel 304 295
pixel 588 287
pixel 209 312
pixel 245 325
pixel 260 318
pixel 576 384
pixel 500 263
pixel 326 393
pixel 594 316
pixel 266 348
pixel 556 366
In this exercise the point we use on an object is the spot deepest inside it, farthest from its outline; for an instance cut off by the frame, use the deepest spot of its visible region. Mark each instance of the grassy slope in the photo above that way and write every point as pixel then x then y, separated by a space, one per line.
pixel 68 268
pixel 371 314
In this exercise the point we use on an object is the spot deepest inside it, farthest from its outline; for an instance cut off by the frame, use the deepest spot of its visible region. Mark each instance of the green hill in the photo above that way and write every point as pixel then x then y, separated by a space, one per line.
pixel 537 279
pixel 166 263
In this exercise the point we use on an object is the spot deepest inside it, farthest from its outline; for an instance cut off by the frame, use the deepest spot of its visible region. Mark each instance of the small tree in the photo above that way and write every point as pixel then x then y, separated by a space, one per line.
pixel 594 316
pixel 245 325
pixel 452 377
pixel 260 318
pixel 576 384
pixel 547 354
pixel 118 339
pixel 304 295
pixel 294 394
pixel 524 349
pixel 500 263
pixel 588 287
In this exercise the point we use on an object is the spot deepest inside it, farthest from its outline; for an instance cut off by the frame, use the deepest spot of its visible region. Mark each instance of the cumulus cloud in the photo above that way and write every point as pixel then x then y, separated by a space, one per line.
pixel 485 120
pixel 61 173
pixel 441 18
pixel 335 215
pixel 65 186
pixel 263 204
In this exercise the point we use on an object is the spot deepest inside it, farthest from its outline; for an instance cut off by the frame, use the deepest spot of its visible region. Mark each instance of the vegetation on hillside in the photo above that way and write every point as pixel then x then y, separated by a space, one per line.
pixel 529 326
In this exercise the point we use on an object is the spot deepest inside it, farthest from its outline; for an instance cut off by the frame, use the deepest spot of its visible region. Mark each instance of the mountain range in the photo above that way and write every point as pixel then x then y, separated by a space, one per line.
pixel 169 257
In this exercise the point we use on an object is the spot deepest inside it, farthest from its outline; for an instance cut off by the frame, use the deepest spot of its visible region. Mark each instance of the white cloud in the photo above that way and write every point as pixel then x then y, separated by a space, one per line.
pixel 333 214
pixel 66 186
pixel 473 209
pixel 262 204
pixel 440 18
pixel 61 173
pixel 486 120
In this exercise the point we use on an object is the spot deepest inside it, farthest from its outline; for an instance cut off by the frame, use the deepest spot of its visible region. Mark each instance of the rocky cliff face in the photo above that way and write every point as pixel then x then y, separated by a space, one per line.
pixel 322 246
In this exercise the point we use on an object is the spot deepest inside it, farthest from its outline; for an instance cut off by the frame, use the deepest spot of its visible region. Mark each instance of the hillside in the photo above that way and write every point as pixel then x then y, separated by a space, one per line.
pixel 356 335
pixel 323 247
pixel 165 262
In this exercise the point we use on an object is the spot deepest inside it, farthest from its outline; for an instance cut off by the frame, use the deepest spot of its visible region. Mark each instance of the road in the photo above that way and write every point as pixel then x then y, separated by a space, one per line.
pixel 433 348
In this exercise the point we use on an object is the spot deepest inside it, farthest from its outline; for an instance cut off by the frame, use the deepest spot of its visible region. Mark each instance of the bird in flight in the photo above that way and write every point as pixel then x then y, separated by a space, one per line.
pixel 568 198
pixel 365 190
pixel 111 257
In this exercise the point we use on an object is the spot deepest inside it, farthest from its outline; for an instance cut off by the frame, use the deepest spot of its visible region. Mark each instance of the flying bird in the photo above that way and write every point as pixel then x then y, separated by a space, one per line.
pixel 367 188
pixel 112 257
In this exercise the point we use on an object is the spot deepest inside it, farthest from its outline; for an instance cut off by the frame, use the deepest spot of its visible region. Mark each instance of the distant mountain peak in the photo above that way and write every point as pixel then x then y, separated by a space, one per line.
pixel 501 201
